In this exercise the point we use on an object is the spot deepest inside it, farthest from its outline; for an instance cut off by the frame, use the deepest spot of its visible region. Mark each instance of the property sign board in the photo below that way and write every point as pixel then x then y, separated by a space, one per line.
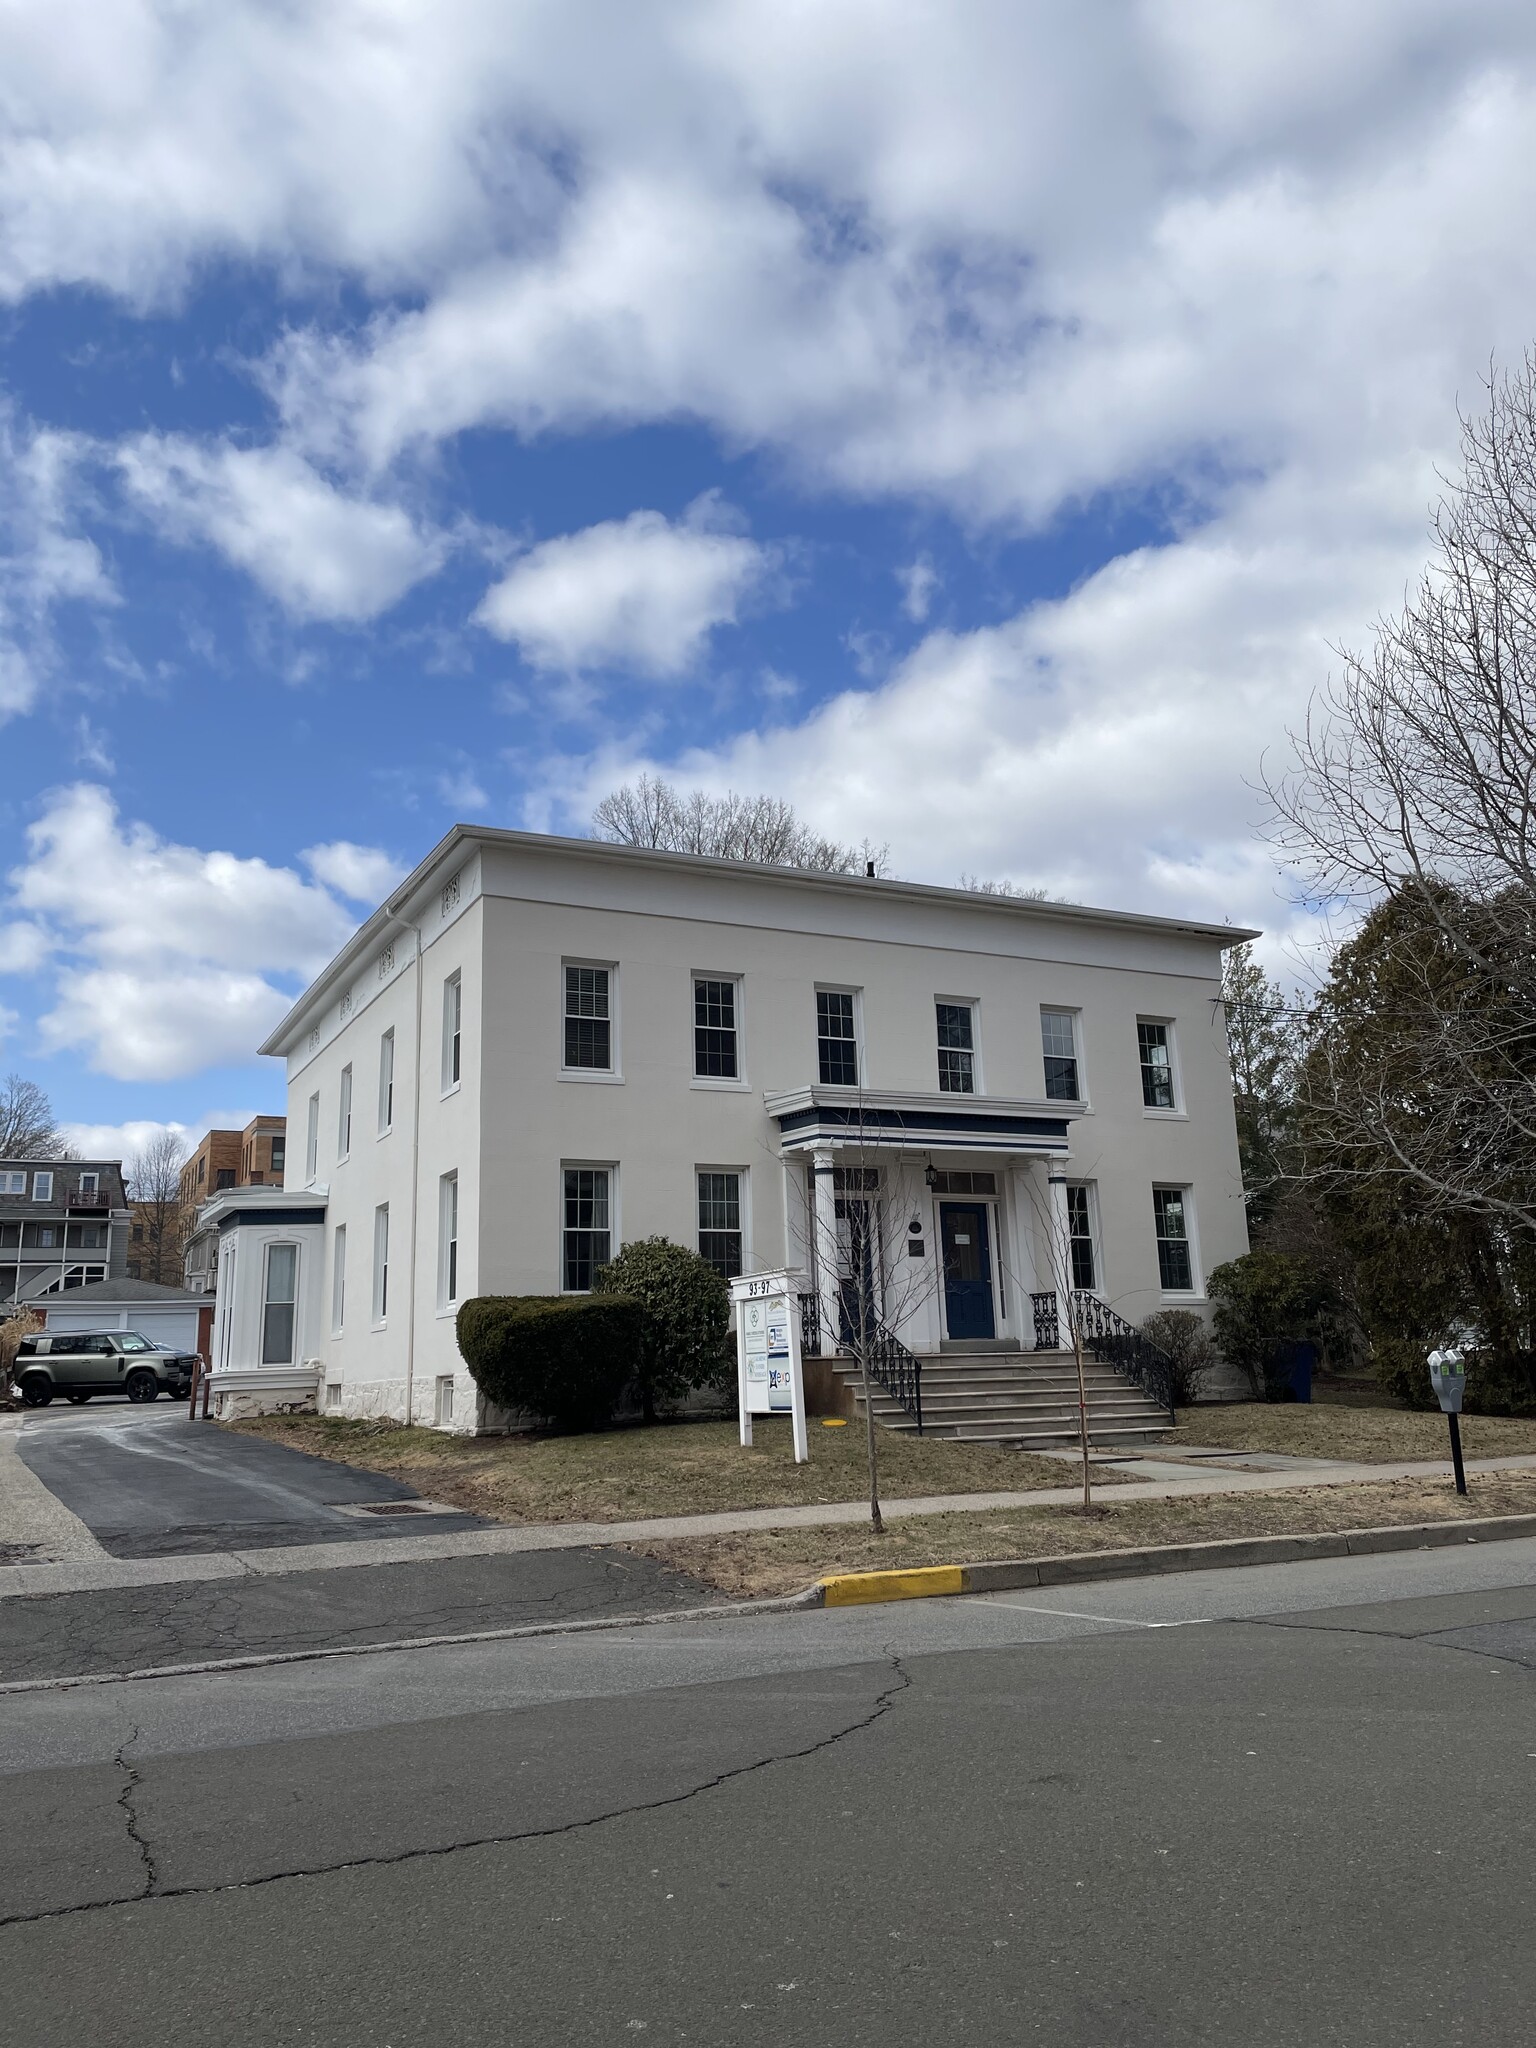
pixel 768 1370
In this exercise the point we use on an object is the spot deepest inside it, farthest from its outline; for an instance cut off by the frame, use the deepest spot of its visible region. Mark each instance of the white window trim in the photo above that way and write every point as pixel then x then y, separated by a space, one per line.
pixel 611 1168
pixel 1079 1052
pixel 1178 1113
pixel 973 1004
pixel 378 1305
pixel 1095 1234
pixel 744 1177
pixel 386 1082
pixel 448 1304
pixel 277 1244
pixel 42 1187
pixel 1196 1290
pixel 345 1106
pixel 843 988
pixel 90 1183
pixel 713 1084
pixel 614 1074
pixel 338 1280
pixel 453 981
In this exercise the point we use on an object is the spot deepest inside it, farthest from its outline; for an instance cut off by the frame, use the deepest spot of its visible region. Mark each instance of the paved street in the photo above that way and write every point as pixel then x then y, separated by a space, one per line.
pixel 1285 1805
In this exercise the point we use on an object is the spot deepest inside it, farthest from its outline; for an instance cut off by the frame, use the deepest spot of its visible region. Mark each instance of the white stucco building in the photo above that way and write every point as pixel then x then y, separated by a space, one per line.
pixel 541 1048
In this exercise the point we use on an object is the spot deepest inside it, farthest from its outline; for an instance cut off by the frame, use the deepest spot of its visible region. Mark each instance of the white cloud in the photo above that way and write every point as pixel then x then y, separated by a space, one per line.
pixel 320 553
pixel 24 947
pixel 166 955
pixel 363 874
pixel 460 789
pixel 45 561
pixel 124 1141
pixel 639 593
pixel 918 580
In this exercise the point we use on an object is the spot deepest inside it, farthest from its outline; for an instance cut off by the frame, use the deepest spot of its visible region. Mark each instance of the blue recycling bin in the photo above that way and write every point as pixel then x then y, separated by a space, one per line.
pixel 1301 1361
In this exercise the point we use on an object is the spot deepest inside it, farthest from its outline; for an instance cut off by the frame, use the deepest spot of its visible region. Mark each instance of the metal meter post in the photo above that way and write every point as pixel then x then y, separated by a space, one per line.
pixel 1448 1376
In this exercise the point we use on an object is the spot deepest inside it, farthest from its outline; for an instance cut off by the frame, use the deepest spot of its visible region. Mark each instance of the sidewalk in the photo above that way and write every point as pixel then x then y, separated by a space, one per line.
pixel 99 1573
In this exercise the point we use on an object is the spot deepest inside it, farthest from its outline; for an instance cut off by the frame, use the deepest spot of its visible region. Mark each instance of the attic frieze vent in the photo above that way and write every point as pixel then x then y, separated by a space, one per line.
pixel 450 896
pixel 386 963
pixel 314 1039
pixel 346 1004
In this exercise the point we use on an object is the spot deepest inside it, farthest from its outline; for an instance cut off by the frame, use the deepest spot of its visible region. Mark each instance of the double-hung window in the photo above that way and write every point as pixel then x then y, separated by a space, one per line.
pixel 720 1221
pixel 957 1048
pixel 1155 1043
pixel 586 1234
pixel 1175 1260
pixel 1058 1039
pixel 344 1115
pixel 278 1304
pixel 386 1082
pixel 311 1141
pixel 716 1048
pixel 13 1183
pixel 588 1020
pixel 381 1262
pixel 837 1043
pixel 42 1187
pixel 448 1240
pixel 453 1022
pixel 1085 1264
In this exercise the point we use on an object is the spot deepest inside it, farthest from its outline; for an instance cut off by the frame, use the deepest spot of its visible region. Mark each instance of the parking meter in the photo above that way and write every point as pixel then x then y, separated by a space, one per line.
pixel 1448 1377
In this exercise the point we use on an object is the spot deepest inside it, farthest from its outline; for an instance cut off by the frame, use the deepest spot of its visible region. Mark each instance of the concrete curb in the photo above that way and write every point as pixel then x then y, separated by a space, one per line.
pixel 860 1589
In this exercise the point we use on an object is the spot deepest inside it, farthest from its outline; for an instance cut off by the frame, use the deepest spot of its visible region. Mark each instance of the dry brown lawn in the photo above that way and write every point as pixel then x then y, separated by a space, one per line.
pixel 1335 1430
pixel 681 1468
pixel 774 1561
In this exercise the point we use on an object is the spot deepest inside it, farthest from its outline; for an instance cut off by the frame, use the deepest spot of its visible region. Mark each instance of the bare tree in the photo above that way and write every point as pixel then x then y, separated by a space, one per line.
pixel 1413 788
pixel 28 1129
pixel 978 887
pixel 652 812
pixel 154 1187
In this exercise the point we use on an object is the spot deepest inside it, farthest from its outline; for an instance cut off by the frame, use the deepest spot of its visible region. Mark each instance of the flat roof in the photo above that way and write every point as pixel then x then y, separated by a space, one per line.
pixel 462 837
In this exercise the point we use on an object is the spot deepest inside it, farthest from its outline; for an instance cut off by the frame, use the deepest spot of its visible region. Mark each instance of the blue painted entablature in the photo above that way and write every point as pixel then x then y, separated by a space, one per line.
pixel 837 1118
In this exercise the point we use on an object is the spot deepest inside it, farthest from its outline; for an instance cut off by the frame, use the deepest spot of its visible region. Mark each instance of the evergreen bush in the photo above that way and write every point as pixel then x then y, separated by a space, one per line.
pixel 566 1357
pixel 1264 1301
pixel 688 1309
pixel 1182 1336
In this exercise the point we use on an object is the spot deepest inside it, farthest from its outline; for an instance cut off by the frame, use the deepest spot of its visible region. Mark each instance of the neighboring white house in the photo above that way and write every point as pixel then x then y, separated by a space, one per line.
pixel 540 1048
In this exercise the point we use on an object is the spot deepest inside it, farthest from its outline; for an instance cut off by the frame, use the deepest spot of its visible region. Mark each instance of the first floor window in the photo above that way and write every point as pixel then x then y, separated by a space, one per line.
pixel 720 1222
pixel 957 1049
pixel 339 1279
pixel 1085 1272
pixel 586 1241
pixel 1156 1065
pixel 1058 1038
pixel 278 1304
pixel 1170 1207
pixel 381 1262
pixel 448 1239
pixel 837 1045
pixel 588 1020
pixel 714 1030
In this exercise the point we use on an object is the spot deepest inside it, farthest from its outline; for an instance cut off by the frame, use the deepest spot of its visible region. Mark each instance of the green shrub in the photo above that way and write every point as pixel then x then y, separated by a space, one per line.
pixel 1264 1301
pixel 689 1307
pixel 1182 1336
pixel 565 1357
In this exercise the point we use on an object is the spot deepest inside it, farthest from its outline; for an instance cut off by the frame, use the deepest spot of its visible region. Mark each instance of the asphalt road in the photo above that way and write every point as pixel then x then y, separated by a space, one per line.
pixel 148 1483
pixel 1289 1805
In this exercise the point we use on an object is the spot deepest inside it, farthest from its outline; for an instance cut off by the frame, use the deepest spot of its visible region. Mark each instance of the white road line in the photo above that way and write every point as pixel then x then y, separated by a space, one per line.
pixel 1071 1614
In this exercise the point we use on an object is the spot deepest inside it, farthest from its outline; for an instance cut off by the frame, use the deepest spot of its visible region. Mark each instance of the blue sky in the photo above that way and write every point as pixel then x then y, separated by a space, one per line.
pixel 419 414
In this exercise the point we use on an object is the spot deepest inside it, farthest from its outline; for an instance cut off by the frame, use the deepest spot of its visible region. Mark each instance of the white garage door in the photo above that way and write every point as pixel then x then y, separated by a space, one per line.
pixel 174 1326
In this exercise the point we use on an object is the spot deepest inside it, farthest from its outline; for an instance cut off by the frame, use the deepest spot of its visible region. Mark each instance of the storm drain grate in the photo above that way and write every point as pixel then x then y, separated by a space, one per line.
pixel 390 1509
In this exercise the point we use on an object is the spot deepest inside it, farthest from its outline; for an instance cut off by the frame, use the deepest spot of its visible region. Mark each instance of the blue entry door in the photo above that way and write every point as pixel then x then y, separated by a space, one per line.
pixel 967 1269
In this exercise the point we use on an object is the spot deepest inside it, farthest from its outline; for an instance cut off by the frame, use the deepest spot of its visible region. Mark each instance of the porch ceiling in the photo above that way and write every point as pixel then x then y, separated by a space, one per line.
pixel 843 1118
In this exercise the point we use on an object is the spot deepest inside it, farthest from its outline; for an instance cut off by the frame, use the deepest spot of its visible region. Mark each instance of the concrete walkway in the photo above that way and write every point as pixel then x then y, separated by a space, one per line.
pixel 101 1572
pixel 34 1523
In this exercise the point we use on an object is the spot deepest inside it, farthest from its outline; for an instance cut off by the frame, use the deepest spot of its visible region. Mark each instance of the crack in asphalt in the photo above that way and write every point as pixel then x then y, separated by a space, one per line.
pixel 1431 1637
pixel 884 1700
pixel 125 1803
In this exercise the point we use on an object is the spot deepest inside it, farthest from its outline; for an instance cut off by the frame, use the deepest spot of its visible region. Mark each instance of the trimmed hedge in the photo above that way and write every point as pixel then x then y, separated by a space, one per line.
pixel 567 1357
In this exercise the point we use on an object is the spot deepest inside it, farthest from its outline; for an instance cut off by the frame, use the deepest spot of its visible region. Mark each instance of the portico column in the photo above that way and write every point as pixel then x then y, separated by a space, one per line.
pixel 1061 1245
pixel 824 1216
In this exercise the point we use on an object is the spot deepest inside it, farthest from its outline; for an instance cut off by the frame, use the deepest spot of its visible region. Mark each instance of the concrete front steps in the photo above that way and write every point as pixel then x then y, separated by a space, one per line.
pixel 1026 1399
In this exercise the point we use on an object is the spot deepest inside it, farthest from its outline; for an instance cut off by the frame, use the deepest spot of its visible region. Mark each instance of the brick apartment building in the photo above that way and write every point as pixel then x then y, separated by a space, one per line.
pixel 252 1158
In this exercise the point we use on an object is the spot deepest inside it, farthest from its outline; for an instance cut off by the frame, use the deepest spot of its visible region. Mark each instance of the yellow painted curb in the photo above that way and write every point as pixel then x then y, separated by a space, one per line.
pixel 864 1589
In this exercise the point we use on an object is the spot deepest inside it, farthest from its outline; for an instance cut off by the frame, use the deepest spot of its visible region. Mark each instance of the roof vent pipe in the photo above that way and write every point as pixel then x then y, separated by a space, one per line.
pixel 869 871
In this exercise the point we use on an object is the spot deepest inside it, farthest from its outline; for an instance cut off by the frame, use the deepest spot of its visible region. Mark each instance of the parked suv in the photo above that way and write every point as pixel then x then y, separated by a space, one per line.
pixel 83 1363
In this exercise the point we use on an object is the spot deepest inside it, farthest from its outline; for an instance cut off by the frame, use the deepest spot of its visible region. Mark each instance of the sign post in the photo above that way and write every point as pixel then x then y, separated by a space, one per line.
pixel 1448 1376
pixel 769 1377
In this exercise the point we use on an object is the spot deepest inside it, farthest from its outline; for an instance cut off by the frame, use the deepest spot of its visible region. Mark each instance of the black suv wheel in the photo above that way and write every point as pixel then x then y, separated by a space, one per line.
pixel 142 1386
pixel 37 1390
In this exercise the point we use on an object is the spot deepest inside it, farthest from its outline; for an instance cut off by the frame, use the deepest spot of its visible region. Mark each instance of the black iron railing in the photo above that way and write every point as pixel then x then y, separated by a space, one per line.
pixel 899 1371
pixel 1112 1340
pixel 810 1326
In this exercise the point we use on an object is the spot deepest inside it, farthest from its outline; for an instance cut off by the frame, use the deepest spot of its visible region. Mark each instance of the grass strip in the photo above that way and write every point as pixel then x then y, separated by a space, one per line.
pixel 1328 1429
pixel 774 1561
pixel 674 1468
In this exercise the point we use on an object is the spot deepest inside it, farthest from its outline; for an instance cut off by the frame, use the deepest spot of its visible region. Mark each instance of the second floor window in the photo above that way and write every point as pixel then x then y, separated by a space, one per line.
pixel 588 1020
pixel 957 1049
pixel 453 1020
pixel 311 1141
pixel 837 1045
pixel 1058 1038
pixel 714 1031
pixel 1156 1064
pixel 344 1116
pixel 42 1187
pixel 386 1082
